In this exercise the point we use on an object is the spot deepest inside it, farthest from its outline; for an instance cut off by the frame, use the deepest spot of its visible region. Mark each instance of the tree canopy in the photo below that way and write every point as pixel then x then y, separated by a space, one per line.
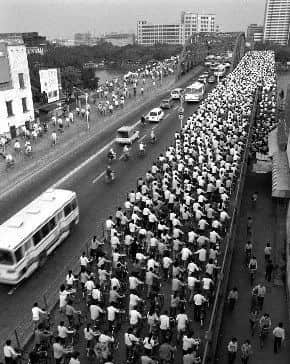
pixel 70 60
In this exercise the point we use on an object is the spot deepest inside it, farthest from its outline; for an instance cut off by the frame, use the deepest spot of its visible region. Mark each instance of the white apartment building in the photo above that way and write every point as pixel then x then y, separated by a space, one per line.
pixel 276 21
pixel 149 34
pixel 190 23
pixel 16 104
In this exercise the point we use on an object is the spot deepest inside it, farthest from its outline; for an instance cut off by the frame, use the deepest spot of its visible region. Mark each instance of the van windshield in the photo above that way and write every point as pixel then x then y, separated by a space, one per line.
pixel 123 134
pixel 191 90
pixel 6 257
pixel 153 113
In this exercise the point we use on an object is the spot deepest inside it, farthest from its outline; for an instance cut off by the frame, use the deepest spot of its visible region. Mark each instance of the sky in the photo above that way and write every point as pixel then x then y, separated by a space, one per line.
pixel 63 18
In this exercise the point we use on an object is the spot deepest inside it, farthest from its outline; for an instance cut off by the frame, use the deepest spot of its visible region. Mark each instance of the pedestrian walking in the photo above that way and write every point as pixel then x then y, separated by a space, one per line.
pixel 265 325
pixel 53 138
pixel 279 337
pixel 269 270
pixel 253 320
pixel 232 350
pixel 259 291
pixel 232 298
pixel 246 351
pixel 267 252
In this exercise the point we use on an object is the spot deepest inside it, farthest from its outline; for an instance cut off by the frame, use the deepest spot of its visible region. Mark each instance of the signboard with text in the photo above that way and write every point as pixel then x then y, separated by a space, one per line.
pixel 49 83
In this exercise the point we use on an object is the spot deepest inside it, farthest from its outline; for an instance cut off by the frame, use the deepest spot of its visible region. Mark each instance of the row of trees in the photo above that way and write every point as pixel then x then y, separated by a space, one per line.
pixel 70 60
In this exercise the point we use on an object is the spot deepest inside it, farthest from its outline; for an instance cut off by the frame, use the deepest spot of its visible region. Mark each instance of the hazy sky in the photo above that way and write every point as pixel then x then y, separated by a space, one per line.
pixel 56 18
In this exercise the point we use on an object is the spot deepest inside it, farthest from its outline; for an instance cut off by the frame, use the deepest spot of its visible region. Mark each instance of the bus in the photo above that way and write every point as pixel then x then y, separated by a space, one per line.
pixel 194 92
pixel 28 237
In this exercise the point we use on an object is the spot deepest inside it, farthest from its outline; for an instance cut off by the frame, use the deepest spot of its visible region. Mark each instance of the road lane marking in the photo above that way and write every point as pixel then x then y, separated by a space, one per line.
pixel 143 137
pixel 166 116
pixel 99 177
pixel 176 107
pixel 87 161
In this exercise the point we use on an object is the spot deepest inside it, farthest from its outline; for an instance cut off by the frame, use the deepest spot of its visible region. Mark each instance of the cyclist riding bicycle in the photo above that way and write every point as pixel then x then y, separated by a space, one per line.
pixel 126 152
pixel 28 148
pixel 253 266
pixel 109 173
pixel 142 148
pixel 143 120
pixel 153 136
pixel 111 154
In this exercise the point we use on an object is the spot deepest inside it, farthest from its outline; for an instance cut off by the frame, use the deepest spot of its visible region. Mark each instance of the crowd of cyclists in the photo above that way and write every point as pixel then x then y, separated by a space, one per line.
pixel 260 321
pixel 107 98
pixel 144 292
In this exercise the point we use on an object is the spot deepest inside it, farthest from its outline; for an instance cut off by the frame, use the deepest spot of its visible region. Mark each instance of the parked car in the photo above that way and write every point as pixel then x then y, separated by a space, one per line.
pixel 166 103
pixel 155 115
pixel 176 93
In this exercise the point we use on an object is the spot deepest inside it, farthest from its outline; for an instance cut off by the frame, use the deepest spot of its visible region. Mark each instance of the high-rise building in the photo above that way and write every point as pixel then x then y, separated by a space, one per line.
pixel 190 23
pixel 276 21
pixel 252 30
pixel 16 106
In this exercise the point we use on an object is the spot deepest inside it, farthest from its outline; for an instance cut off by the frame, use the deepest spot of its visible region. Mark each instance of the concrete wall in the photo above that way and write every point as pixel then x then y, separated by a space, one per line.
pixel 18 64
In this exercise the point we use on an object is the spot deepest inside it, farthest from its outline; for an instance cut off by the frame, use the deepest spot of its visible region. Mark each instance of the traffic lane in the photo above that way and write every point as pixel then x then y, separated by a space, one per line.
pixel 20 196
pixel 96 201
pixel 26 190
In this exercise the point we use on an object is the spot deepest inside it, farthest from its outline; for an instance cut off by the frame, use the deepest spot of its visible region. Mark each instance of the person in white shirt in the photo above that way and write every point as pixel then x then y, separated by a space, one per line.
pixel 279 337
pixel 198 300
pixel 134 317
pixel 9 353
pixel 185 254
pixel 63 332
pixel 164 323
pixel 95 311
pixel 112 311
pixel 202 254
pixel 130 339
pixel 166 263
pixel 84 260
pixel 36 315
pixel 134 282
pixel 182 322
pixel 134 300
pixel 75 358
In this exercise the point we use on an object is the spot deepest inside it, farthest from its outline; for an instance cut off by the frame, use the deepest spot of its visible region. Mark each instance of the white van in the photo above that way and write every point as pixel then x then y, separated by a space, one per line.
pixel 155 115
pixel 127 134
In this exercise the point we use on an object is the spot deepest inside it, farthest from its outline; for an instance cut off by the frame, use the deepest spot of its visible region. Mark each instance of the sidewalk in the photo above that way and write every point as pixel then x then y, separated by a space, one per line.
pixel 77 134
pixel 269 226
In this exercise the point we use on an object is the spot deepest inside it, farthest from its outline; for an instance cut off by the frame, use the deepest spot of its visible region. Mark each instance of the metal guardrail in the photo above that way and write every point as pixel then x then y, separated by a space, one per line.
pixel 212 333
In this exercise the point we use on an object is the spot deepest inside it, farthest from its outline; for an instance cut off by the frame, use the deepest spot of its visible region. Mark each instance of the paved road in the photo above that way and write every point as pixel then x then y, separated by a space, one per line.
pixel 96 201
pixel 269 226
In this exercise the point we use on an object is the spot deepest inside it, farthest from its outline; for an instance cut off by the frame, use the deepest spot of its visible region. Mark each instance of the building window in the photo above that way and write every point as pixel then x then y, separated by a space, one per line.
pixel 21 80
pixel 24 104
pixel 9 108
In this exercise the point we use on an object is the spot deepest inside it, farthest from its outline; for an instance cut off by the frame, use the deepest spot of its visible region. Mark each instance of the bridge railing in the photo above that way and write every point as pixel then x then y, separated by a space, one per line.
pixel 212 334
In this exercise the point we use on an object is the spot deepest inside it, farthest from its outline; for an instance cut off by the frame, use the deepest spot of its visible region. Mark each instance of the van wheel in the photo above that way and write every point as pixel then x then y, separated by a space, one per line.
pixel 42 258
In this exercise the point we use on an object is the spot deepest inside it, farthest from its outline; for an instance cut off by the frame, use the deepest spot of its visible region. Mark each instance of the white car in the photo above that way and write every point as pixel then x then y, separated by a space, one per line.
pixel 155 115
pixel 176 93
